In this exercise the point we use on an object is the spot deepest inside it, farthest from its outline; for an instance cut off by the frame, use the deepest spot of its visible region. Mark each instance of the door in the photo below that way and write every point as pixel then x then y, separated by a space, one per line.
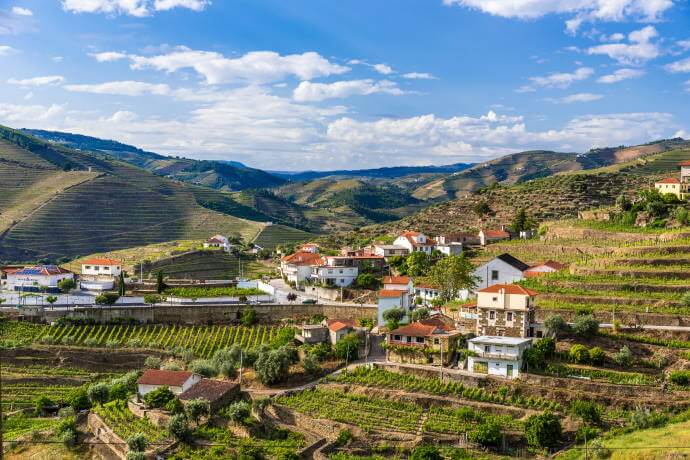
pixel 509 372
pixel 480 367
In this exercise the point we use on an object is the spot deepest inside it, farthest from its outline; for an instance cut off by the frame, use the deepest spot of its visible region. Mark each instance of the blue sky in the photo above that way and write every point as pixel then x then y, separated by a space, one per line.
pixel 315 84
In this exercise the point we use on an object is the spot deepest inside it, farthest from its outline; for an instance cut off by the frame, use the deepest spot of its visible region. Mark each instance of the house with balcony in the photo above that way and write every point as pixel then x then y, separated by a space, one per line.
pixel 502 269
pixel 297 267
pixel 415 242
pixel 505 310
pixel 431 341
pixel 99 273
pixel 497 356
pixel 334 276
pixel 427 293
pixel 217 242
pixel 679 187
pixel 390 250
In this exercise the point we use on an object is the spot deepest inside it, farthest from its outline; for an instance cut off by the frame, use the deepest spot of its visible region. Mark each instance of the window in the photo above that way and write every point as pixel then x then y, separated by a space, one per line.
pixel 96 268
pixel 437 341
pixel 88 267
pixel 492 314
pixel 494 275
pixel 509 316
pixel 494 299
pixel 420 339
pixel 409 339
pixel 396 337
pixel 487 348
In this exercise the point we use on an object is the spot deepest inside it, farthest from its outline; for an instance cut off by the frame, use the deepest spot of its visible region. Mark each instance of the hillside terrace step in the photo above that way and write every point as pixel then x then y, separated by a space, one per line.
pixel 596 300
pixel 643 262
pixel 665 274
pixel 630 286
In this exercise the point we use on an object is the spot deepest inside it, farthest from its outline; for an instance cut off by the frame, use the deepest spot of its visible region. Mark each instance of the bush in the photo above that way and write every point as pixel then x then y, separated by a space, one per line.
pixel 586 326
pixel 586 433
pixel 248 317
pixel 66 431
pixel 311 365
pixel 137 442
pixel 152 362
pixel 98 393
pixel 41 402
pixel 426 452
pixel 534 358
pixel 344 437
pixel 175 406
pixel 419 314
pixel 178 427
pixel 204 367
pixel 641 419
pixel 68 340
pixel 679 377
pixel 272 366
pixel 596 355
pixel 543 430
pixel 547 346
pixel 237 411
pixel 347 348
pixel 158 398
pixel 112 343
pixel 227 370
pixel 588 411
pixel 134 455
pixel 624 357
pixel 107 298
pixel 487 433
pixel 152 299
pixel 196 409
pixel 79 399
pixel 579 354
pixel 320 351
pixel 91 342
pixel 392 317
pixel 685 300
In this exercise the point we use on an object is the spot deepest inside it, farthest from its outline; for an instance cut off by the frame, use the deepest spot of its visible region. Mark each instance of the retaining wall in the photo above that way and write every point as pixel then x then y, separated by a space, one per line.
pixel 626 318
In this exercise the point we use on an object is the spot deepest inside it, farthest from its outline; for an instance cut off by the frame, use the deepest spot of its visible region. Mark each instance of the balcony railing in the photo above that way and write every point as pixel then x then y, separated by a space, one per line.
pixel 504 356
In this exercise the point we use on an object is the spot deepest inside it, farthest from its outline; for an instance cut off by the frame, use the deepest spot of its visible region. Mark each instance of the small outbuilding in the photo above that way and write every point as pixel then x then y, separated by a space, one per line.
pixel 218 393
pixel 177 381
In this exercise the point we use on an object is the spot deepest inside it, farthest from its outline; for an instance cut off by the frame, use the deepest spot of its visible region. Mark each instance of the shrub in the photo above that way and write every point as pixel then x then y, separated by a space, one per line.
pixel 152 362
pixel 68 340
pixel 175 406
pixel 487 433
pixel 547 346
pixel 41 402
pixel 392 317
pixel 79 399
pixel 543 430
pixel 248 317
pixel 644 418
pixel 344 437
pixel 205 367
pixel 534 358
pixel 178 427
pixel 66 431
pixel 586 326
pixel 578 353
pixel 311 365
pixel 159 397
pixel 107 298
pixel 98 393
pixel 196 409
pixel 588 411
pixel 419 314
pixel 112 344
pixel 91 342
pixel 596 355
pixel 685 300
pixel 172 365
pixel 347 348
pixel 272 366
pixel 134 455
pixel 586 433
pixel 237 411
pixel 227 370
pixel 137 442
pixel 152 299
pixel 320 351
pixel 426 452
pixel 680 377
pixel 624 357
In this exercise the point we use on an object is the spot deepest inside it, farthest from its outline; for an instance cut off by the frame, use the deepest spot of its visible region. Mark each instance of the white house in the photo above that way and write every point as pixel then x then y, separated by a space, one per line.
pixel 492 236
pixel 101 266
pixel 310 247
pixel 450 249
pixel 339 328
pixel 38 278
pixel 426 292
pixel 498 356
pixel 177 381
pixel 390 250
pixel 218 241
pixel 297 267
pixel 415 242
pixel 334 276
pixel 398 283
pixel 503 269
pixel 397 292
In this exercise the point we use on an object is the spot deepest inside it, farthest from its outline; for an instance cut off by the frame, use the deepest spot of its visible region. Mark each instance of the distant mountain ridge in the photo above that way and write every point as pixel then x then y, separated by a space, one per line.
pixel 376 173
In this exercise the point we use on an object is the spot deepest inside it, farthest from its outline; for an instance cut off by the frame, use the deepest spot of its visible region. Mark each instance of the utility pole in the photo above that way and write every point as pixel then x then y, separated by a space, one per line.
pixel 240 382
pixel 2 425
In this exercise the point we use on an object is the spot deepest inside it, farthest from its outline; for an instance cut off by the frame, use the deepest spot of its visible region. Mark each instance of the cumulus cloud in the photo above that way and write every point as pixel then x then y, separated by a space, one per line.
pixel 137 8
pixel 12 113
pixel 682 66
pixel 383 69
pixel 573 98
pixel 581 10
pixel 38 81
pixel 108 56
pixel 121 88
pixel 255 66
pixel 418 76
pixel 620 75
pixel 558 79
pixel 640 49
pixel 19 11
pixel 6 50
pixel 308 91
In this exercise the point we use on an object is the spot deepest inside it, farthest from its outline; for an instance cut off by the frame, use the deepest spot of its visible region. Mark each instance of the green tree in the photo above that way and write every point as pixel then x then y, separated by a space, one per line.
pixel 487 433
pixel 40 403
pixel 534 358
pixel 586 326
pixel 547 346
pixel 160 284
pixel 310 363
pixel 367 281
pixel 579 354
pixel 137 442
pixel 237 411
pixel 66 284
pixel 588 411
pixel 205 367
pixel 272 366
pixel 522 221
pixel 178 427
pixel 196 409
pixel 51 299
pixel 418 263
pixel 543 430
pixel 555 324
pixel 596 355
pixel 98 393
pixel 482 209
pixel 248 317
pixel 159 397
pixel 152 362
pixel 452 274
pixel 419 314
pixel 347 348
pixel 79 399
pixel 121 284
pixel 392 317
pixel 624 357
pixel 106 298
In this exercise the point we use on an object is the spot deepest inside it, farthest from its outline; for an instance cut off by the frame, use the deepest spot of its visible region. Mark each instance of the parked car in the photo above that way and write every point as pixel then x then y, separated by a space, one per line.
pixel 309 301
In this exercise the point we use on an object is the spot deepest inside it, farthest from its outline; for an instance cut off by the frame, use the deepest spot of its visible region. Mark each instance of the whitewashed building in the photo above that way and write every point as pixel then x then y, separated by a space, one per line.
pixel 503 269
pixel 450 249
pixel 334 276
pixel 38 278
pixel 219 242
pixel 99 273
pixel 390 250
pixel 497 356
pixel 177 381
pixel 397 292
pixel 415 242
pixel 297 267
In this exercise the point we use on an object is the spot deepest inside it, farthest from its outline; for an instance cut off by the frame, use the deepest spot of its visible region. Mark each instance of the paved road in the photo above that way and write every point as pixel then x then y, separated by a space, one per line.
pixel 283 289
pixel 12 298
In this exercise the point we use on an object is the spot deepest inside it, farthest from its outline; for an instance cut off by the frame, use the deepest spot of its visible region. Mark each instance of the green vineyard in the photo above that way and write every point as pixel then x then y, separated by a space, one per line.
pixel 125 424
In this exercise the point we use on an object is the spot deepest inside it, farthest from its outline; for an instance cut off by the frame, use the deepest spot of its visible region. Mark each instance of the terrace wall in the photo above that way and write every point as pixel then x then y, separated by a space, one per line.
pixel 466 378
pixel 626 318
pixel 211 314
pixel 104 434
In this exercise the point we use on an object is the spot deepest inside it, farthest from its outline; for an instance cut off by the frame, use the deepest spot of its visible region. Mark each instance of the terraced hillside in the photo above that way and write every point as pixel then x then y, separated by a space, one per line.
pixel 58 202
pixel 203 265
pixel 279 235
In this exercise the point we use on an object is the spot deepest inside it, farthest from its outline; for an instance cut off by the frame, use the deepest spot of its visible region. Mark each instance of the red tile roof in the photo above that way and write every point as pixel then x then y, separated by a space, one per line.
pixel 684 163
pixel 439 322
pixel 411 238
pixel 396 279
pixel 532 271
pixel 388 293
pixel 496 234
pixel 426 286
pixel 669 180
pixel 336 325
pixel 416 329
pixel 509 289
pixel 209 389
pixel 303 258
pixel 169 378
pixel 216 241
pixel 101 261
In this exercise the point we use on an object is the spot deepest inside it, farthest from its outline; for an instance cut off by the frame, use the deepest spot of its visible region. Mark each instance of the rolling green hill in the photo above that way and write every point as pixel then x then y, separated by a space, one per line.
pixel 215 174
pixel 57 202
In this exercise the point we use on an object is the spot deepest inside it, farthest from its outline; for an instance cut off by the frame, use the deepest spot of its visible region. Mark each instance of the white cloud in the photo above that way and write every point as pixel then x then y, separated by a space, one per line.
pixel 121 88
pixel 684 44
pixel 108 56
pixel 682 66
pixel 38 81
pixel 573 98
pixel 583 10
pixel 418 76
pixel 57 59
pixel 639 50
pixel 28 95
pixel 525 89
pixel 6 50
pixel 561 79
pixel 19 11
pixel 682 133
pixel 255 66
pixel 12 113
pixel 617 37
pixel 137 8
pixel 308 91
pixel 620 75
pixel 383 69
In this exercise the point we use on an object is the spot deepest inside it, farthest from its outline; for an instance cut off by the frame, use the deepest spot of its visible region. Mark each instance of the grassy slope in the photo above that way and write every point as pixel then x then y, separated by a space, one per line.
pixel 121 206
pixel 275 235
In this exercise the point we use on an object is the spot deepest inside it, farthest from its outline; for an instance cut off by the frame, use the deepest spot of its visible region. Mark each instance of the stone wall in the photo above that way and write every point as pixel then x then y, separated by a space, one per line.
pixel 104 434
pixel 157 417
pixel 499 326
pixel 475 381
pixel 212 314
pixel 625 318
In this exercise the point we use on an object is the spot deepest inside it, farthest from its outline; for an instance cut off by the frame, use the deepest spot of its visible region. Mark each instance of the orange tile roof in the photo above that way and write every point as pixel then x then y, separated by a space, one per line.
pixel 669 180
pixel 169 378
pixel 339 324
pixel 496 234
pixel 396 279
pixel 303 258
pixel 684 163
pixel 411 235
pixel 549 263
pixel 509 289
pixel 101 261
pixel 388 293
pixel 416 329
pixel 426 286
pixel 439 323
